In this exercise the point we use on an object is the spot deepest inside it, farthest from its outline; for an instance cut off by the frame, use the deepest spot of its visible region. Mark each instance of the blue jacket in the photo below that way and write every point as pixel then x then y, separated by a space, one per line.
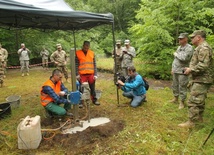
pixel 136 85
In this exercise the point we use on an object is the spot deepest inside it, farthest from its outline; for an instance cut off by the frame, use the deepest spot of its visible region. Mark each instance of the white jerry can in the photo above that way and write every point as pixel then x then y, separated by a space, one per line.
pixel 29 133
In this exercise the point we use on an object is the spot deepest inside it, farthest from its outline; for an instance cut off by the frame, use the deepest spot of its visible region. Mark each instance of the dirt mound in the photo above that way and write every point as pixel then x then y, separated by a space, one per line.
pixel 83 142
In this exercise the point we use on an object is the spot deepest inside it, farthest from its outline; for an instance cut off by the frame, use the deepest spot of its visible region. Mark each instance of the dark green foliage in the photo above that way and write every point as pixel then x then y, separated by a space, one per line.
pixel 159 24
pixel 152 27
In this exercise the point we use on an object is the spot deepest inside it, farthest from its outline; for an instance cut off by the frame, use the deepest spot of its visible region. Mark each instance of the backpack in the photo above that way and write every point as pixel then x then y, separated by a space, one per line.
pixel 146 84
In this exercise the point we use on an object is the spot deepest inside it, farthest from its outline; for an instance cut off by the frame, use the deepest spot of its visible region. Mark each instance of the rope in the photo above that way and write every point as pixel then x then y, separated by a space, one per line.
pixel 51 130
pixel 54 131
pixel 33 65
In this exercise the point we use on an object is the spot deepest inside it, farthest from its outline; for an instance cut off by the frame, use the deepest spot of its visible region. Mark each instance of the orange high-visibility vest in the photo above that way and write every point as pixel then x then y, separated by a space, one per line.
pixel 45 98
pixel 86 64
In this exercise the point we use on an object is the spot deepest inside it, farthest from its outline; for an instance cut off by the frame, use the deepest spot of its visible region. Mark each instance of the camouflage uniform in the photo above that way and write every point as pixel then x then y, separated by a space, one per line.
pixel 180 80
pixel 117 64
pixel 59 57
pixel 24 57
pixel 201 66
pixel 4 54
pixel 44 53
pixel 126 58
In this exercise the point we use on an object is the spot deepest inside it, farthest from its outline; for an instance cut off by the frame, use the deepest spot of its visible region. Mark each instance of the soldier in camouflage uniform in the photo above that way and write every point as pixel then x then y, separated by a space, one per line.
pixel 116 56
pixel 128 53
pixel 24 58
pixel 200 68
pixel 4 55
pixel 59 58
pixel 182 57
pixel 44 53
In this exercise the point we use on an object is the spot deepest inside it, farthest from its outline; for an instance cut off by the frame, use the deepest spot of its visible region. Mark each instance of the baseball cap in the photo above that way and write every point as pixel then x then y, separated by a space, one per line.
pixel 126 42
pixel 118 42
pixel 183 35
pixel 198 32
pixel 58 45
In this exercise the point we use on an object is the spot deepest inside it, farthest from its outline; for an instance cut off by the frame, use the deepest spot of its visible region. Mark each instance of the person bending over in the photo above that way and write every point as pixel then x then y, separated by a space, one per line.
pixel 134 87
pixel 52 95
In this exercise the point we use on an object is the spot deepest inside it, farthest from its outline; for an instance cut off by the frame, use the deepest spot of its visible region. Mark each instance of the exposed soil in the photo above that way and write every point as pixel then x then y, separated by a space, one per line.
pixel 81 142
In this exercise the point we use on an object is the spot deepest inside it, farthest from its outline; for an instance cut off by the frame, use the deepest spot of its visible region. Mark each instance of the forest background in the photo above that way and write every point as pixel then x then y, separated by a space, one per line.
pixel 152 26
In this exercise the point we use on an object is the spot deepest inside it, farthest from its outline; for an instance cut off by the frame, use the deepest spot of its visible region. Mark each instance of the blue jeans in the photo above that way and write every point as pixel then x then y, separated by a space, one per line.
pixel 136 100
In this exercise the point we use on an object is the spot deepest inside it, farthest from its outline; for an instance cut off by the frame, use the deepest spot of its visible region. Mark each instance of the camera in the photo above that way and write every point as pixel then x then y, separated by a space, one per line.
pixel 120 77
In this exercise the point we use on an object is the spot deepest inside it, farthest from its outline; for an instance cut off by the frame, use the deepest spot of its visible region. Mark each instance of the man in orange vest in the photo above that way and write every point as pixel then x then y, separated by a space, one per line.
pixel 52 95
pixel 86 69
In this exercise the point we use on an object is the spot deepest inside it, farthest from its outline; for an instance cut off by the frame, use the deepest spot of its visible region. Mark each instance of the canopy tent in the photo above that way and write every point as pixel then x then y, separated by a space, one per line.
pixel 46 14
pixel 51 14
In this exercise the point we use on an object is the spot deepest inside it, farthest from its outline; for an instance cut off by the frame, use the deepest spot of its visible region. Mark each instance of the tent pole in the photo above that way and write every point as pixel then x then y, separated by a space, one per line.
pixel 73 77
pixel 115 66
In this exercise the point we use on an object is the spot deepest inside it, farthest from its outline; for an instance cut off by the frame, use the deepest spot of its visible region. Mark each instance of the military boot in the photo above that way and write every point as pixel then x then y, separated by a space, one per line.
pixel 188 124
pixel 181 105
pixel 175 100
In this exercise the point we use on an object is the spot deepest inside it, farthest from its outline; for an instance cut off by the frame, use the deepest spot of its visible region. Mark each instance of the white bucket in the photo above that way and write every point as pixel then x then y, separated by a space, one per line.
pixel 29 133
pixel 14 100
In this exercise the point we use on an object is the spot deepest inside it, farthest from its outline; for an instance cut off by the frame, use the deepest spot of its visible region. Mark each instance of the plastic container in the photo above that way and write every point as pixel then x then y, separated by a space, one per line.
pixel 5 110
pixel 29 133
pixel 14 100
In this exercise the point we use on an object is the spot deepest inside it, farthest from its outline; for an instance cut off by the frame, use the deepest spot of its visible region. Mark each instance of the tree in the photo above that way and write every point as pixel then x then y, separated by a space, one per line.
pixel 159 24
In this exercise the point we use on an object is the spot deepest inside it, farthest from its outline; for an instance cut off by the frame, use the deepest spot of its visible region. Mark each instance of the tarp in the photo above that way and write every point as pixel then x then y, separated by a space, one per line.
pixel 48 14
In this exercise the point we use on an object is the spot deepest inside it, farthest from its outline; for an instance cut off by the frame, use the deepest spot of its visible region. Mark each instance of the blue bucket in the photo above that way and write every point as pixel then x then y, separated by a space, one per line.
pixel 74 97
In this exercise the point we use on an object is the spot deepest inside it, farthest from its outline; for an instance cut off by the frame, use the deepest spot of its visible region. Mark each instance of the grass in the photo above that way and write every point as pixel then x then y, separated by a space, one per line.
pixel 150 129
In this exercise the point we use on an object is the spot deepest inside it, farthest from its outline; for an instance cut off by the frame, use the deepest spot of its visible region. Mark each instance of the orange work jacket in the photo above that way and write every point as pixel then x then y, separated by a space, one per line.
pixel 86 64
pixel 45 98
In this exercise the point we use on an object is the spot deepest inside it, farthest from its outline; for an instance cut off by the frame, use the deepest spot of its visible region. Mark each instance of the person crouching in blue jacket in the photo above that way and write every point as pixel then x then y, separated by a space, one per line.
pixel 134 87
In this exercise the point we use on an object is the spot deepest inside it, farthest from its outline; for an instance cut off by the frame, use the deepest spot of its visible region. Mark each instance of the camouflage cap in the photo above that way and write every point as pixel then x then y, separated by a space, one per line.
pixel 183 35
pixel 118 42
pixel 58 45
pixel 198 32
pixel 126 42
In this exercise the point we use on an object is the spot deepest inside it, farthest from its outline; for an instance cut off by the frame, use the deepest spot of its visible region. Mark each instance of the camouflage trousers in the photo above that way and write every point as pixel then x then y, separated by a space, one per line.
pixel 117 65
pixel 196 103
pixel 179 86
pixel 117 71
pixel 64 70
pixel 44 62
pixel 24 65
pixel 125 71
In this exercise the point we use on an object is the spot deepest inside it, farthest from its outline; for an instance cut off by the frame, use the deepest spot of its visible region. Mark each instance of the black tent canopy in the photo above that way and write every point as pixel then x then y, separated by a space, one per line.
pixel 46 14
pixel 51 14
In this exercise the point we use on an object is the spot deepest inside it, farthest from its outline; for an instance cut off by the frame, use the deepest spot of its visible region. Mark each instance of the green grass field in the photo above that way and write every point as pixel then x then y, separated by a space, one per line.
pixel 149 129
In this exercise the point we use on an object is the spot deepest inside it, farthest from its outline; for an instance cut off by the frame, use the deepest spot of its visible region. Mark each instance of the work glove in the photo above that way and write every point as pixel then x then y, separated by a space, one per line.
pixel 95 77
